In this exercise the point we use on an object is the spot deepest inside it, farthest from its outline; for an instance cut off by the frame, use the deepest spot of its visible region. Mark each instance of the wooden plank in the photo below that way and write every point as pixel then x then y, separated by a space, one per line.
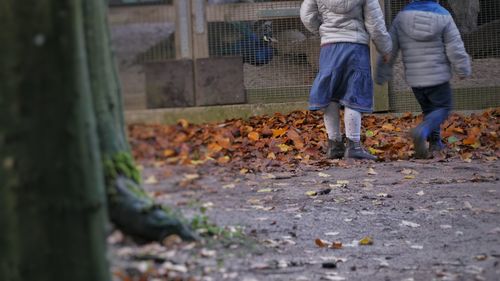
pixel 220 13
pixel 381 92
pixel 251 11
pixel 141 14
pixel 200 30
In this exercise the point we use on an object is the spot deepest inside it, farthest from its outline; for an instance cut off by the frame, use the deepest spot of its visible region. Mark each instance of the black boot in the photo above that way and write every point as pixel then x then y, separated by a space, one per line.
pixel 335 149
pixel 435 143
pixel 355 150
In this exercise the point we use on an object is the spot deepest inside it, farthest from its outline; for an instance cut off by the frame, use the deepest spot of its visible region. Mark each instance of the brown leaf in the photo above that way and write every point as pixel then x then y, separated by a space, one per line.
pixel 321 243
pixel 296 138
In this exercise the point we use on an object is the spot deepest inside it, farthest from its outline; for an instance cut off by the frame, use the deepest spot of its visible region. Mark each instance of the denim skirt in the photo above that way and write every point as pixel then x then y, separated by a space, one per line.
pixel 344 76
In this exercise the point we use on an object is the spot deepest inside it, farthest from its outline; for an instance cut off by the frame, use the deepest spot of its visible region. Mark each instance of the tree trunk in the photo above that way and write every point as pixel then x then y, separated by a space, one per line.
pixel 52 200
pixel 130 208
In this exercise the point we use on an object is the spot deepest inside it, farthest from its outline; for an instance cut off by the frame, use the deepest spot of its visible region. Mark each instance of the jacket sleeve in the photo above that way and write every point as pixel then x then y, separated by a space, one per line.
pixel 383 72
pixel 309 14
pixel 375 24
pixel 455 50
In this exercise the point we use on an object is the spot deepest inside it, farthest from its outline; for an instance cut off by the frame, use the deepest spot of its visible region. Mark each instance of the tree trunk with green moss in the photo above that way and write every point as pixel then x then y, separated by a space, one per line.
pixel 130 208
pixel 63 147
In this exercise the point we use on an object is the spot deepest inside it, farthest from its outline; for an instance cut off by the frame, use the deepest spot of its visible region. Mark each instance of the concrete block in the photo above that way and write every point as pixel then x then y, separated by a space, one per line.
pixel 169 84
pixel 219 81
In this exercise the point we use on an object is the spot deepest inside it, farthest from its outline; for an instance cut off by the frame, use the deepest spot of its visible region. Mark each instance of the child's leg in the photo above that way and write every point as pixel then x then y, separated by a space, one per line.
pixel 332 121
pixel 427 106
pixel 352 121
pixel 437 107
pixel 336 147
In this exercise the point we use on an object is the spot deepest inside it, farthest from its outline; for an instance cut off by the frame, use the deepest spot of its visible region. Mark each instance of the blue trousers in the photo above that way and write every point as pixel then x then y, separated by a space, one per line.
pixel 436 103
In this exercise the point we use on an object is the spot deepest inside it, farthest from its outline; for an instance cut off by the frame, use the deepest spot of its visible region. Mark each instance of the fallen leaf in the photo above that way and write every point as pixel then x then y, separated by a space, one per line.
pixel 481 257
pixel 254 136
pixel 264 190
pixel 223 159
pixel 323 175
pixel 388 127
pixel 311 193
pixel 321 243
pixel 336 245
pixel 366 241
pixel 371 171
pixel 410 224
pixel 229 186
pixel 284 148
pixel 191 176
pixel 151 180
pixel 421 193
pixel 452 140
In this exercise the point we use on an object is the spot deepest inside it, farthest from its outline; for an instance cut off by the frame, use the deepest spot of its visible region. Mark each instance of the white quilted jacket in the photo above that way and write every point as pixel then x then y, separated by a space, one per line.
pixel 354 21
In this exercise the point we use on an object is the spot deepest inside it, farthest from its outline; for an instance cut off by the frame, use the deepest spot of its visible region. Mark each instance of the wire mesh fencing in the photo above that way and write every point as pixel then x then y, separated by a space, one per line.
pixel 479 25
pixel 280 57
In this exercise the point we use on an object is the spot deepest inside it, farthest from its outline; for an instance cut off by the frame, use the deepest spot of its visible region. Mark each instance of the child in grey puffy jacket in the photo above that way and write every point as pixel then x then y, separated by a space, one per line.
pixel 432 49
pixel 346 28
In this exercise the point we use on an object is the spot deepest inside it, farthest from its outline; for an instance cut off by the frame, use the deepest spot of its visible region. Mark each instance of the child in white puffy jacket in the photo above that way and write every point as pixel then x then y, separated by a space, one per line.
pixel 432 49
pixel 344 79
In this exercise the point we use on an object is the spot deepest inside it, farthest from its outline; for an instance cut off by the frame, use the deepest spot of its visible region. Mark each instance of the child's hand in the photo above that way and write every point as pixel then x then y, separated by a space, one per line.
pixel 386 58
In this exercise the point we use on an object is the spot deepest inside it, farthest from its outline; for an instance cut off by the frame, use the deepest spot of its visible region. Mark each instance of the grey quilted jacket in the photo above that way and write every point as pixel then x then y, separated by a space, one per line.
pixel 430 44
pixel 353 21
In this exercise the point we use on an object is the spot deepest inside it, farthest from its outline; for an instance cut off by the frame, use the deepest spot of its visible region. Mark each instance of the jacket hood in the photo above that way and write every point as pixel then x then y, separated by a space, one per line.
pixel 342 6
pixel 423 20
pixel 420 26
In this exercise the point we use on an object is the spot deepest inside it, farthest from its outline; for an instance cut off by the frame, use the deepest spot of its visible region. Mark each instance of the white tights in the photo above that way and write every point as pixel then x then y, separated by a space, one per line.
pixel 352 122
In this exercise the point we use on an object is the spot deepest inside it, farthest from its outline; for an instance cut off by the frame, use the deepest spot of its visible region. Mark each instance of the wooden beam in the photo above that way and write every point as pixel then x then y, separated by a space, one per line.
pixel 253 11
pixel 141 14
pixel 214 13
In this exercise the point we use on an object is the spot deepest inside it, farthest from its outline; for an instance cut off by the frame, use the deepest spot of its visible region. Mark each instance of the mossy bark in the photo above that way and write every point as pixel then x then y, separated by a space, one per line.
pixel 52 200
pixel 130 208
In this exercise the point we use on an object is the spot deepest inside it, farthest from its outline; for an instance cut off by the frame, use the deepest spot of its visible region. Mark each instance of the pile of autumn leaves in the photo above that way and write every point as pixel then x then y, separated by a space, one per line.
pixel 286 141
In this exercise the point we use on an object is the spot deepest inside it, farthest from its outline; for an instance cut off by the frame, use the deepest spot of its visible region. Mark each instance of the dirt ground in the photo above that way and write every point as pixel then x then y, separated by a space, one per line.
pixel 427 219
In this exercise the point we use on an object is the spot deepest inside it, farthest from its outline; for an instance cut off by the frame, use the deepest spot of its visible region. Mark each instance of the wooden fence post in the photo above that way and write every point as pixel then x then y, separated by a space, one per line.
pixel 381 92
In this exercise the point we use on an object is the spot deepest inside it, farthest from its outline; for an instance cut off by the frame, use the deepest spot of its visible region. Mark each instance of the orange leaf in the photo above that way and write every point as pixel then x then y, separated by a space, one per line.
pixel 254 136
pixel 214 147
pixel 388 127
pixel 279 132
pixel 184 123
pixel 168 152
pixel 222 141
pixel 475 131
pixel 471 139
pixel 458 130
